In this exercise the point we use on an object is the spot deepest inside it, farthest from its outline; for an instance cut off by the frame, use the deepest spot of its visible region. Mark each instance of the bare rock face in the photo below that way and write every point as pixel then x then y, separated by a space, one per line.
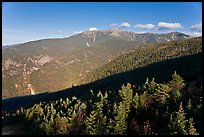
pixel 115 33
pixel 16 68
pixel 41 60
pixel 10 63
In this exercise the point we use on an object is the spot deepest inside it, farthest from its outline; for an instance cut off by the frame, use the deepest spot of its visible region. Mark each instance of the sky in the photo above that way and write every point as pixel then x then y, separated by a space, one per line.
pixel 28 21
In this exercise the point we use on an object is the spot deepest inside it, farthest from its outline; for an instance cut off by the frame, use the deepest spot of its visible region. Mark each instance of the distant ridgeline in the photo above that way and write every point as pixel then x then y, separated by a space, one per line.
pixel 56 64
pixel 157 61
pixel 147 55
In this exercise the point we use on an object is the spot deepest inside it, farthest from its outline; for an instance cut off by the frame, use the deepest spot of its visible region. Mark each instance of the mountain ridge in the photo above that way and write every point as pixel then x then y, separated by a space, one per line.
pixel 88 32
pixel 66 60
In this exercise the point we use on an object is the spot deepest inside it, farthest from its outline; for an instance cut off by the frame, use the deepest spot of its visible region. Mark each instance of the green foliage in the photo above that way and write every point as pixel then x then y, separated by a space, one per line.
pixel 136 100
pixel 150 86
pixel 61 124
pixel 126 94
pixel 178 122
pixel 143 100
pixel 191 129
pixel 176 82
pixel 123 110
pixel 162 94
pixel 149 111
pixel 176 96
pixel 146 55
pixel 96 122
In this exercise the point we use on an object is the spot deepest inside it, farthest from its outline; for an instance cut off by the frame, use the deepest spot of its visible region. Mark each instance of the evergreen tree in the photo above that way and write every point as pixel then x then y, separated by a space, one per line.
pixel 162 94
pixel 123 110
pixel 126 94
pixel 191 129
pixel 90 123
pixel 178 122
pixel 120 126
pixel 61 125
pixel 176 96
pixel 143 100
pixel 150 86
pixel 96 123
pixel 136 100
pixel 177 82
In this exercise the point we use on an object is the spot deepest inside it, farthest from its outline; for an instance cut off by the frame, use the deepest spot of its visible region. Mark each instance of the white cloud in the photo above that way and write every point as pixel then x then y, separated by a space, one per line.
pixel 197 26
pixel 92 29
pixel 124 24
pixel 194 34
pixel 77 32
pixel 169 25
pixel 144 26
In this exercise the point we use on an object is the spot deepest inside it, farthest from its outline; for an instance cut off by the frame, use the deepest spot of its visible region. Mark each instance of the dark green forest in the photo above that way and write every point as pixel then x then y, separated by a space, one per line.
pixel 146 55
pixel 152 108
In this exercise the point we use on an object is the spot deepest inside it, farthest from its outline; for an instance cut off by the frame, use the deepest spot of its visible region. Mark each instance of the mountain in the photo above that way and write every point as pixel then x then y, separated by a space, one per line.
pixel 157 61
pixel 56 64
pixel 146 55
pixel 137 93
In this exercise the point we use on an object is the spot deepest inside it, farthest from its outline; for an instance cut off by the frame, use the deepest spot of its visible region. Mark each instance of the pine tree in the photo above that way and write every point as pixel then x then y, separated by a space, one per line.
pixel 90 123
pixel 143 100
pixel 111 120
pixel 162 94
pixel 96 122
pixel 176 96
pixel 150 86
pixel 120 120
pixel 136 100
pixel 61 125
pixel 178 122
pixel 177 82
pixel 123 110
pixel 126 95
pixel 191 129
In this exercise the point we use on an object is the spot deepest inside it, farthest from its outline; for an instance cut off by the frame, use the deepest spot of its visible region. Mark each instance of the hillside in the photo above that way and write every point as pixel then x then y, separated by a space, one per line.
pixel 171 108
pixel 160 96
pixel 56 64
pixel 186 63
pixel 145 55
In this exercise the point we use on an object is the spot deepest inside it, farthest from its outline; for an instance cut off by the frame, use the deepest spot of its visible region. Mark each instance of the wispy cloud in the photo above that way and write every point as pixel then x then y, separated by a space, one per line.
pixel 140 32
pixel 197 27
pixel 144 26
pixel 166 25
pixel 194 34
pixel 124 24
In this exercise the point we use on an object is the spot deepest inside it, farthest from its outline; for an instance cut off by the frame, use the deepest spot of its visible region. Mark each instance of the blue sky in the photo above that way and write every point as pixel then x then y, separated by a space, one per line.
pixel 27 21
